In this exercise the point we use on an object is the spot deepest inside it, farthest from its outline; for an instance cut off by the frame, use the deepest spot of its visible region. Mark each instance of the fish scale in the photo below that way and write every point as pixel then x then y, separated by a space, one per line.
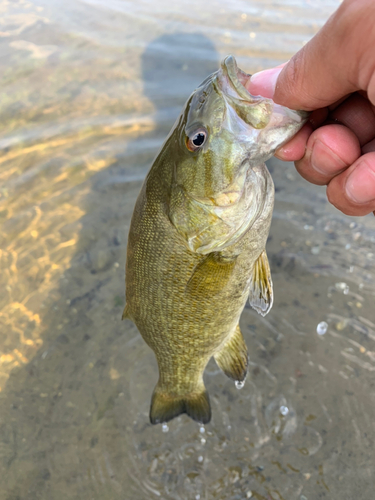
pixel 191 263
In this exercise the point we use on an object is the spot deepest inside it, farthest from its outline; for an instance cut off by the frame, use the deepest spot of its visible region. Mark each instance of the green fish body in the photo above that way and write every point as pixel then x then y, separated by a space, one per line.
pixel 196 247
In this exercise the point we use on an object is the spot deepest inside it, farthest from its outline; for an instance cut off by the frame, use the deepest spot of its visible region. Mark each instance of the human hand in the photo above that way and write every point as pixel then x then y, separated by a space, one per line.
pixel 333 75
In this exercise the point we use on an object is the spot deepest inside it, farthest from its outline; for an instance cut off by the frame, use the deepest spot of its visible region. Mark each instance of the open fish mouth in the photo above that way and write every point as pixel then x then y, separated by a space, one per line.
pixel 234 79
pixel 257 111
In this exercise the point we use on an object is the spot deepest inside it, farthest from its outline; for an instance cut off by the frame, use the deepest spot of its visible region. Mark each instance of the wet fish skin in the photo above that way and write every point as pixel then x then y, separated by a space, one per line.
pixel 196 247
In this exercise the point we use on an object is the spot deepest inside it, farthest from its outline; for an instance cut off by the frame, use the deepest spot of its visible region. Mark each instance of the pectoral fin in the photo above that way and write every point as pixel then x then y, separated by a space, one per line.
pixel 261 290
pixel 211 275
pixel 233 358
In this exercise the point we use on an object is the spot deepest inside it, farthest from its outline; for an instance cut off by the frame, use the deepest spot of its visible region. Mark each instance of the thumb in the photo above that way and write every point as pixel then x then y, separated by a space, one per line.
pixel 331 65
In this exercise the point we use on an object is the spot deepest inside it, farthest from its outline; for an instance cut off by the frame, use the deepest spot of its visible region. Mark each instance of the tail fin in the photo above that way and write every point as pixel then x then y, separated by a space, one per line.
pixel 164 407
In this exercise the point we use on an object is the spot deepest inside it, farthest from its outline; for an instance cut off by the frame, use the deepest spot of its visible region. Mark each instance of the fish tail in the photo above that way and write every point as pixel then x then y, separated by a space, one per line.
pixel 164 407
pixel 233 357
pixel 198 407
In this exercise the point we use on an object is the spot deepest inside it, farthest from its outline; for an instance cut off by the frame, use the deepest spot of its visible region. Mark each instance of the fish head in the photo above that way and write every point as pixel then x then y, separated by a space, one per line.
pixel 224 136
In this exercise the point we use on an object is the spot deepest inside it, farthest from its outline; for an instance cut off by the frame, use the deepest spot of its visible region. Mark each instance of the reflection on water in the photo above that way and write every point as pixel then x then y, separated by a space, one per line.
pixel 89 90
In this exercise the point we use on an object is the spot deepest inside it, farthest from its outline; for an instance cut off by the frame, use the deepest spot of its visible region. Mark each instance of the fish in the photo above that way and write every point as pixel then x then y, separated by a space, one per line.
pixel 196 245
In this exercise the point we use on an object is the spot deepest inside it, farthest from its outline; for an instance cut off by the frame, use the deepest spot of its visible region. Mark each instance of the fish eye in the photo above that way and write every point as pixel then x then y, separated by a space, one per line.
pixel 196 140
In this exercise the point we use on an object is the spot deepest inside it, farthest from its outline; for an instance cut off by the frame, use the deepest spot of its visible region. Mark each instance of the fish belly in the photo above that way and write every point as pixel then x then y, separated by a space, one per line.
pixel 187 308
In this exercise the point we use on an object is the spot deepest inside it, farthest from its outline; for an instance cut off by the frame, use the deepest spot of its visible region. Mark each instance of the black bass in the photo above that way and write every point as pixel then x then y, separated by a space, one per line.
pixel 196 248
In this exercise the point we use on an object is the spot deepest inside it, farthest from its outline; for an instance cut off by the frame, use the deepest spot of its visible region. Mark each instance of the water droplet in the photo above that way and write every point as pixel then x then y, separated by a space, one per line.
pixel 302 497
pixel 239 384
pixel 322 328
pixel 200 459
pixel 197 497
pixel 202 430
pixel 284 410
pixel 165 428
pixel 249 494
pixel 342 287
pixel 347 246
pixel 315 250
pixel 203 441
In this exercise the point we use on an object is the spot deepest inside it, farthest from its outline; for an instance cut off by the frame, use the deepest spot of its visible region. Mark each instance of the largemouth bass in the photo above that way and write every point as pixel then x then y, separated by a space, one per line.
pixel 196 248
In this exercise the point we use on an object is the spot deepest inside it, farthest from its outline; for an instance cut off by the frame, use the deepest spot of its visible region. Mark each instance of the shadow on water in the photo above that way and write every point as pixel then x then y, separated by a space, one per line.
pixel 67 416
pixel 173 65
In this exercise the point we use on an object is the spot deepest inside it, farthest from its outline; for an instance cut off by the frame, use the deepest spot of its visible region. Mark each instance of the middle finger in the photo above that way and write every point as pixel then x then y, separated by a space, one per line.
pixel 358 115
pixel 330 149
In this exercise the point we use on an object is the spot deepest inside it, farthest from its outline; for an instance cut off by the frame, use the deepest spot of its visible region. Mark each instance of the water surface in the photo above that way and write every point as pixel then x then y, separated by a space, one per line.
pixel 89 90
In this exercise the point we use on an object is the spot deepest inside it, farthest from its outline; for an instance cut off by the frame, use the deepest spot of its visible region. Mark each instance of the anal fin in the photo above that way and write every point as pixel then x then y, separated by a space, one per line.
pixel 233 357
pixel 261 289
pixel 165 407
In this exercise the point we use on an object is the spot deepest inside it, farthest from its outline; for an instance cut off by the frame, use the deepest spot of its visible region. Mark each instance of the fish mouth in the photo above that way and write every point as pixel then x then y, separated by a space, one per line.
pixel 256 111
pixel 232 81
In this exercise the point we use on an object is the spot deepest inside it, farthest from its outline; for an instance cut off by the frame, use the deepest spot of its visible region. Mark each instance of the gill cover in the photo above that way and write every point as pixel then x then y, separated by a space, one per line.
pixel 220 184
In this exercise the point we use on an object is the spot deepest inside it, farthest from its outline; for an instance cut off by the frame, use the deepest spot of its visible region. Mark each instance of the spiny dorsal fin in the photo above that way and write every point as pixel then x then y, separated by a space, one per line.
pixel 211 275
pixel 261 290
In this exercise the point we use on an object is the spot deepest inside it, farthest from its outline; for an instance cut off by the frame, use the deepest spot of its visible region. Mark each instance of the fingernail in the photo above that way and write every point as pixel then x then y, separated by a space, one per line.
pixel 360 185
pixel 325 161
pixel 264 82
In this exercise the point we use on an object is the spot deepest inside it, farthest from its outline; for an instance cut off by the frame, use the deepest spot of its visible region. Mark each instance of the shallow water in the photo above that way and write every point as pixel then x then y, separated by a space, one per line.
pixel 89 90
